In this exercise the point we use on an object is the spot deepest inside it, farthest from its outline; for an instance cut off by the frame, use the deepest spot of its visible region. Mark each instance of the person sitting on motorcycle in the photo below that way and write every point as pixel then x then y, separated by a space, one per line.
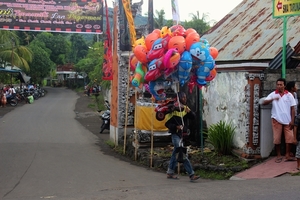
pixel 8 92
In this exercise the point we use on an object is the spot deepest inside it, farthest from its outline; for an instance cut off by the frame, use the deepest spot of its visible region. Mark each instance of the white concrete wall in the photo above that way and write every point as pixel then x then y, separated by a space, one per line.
pixel 224 99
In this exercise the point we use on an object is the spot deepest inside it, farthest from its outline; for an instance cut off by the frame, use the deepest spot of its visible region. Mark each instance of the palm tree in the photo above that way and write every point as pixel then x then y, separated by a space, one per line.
pixel 11 52
pixel 159 19
pixel 197 23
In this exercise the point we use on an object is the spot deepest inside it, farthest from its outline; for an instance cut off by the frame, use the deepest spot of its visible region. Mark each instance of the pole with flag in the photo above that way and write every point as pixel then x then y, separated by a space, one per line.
pixel 107 57
pixel 175 12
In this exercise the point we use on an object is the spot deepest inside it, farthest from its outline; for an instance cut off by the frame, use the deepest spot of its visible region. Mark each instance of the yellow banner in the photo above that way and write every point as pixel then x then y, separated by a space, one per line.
pixel 283 8
pixel 127 9
pixel 146 119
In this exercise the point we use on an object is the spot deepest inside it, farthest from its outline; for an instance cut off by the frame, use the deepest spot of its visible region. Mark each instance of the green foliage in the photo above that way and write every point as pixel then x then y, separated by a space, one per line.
pixel 220 135
pixel 58 44
pixel 110 143
pixel 197 23
pixel 13 53
pixel 92 64
pixel 79 48
pixel 159 19
pixel 41 64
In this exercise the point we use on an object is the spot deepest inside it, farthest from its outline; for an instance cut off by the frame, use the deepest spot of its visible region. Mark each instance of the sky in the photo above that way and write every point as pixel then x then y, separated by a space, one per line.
pixel 214 9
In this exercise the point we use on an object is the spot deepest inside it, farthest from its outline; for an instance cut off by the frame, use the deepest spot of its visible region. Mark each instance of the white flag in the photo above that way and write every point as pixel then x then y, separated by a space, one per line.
pixel 175 11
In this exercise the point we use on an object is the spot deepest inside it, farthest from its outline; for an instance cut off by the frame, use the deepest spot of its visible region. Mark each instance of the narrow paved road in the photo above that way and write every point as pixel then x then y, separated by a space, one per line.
pixel 46 154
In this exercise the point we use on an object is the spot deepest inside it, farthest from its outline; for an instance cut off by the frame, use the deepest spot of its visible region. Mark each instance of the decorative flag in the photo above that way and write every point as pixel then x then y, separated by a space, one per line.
pixel 127 9
pixel 175 12
pixel 107 57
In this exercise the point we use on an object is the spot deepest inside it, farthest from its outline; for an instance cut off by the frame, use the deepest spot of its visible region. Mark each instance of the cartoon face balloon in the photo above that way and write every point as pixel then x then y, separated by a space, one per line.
pixel 150 39
pixel 214 52
pixel 159 48
pixel 177 30
pixel 199 52
pixel 140 53
pixel 157 89
pixel 165 31
pixel 171 61
pixel 184 67
pixel 178 43
pixel 155 70
pixel 191 39
pixel 140 41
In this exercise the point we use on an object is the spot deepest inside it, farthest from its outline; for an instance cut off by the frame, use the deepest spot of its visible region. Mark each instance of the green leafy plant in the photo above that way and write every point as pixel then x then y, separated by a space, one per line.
pixel 220 135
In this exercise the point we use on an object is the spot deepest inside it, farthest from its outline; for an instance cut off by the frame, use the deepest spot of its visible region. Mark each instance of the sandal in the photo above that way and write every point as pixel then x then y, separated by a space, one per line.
pixel 172 176
pixel 278 160
pixel 290 159
pixel 194 178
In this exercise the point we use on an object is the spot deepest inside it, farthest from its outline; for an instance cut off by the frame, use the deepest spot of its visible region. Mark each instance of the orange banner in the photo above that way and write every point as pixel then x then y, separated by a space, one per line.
pixel 127 8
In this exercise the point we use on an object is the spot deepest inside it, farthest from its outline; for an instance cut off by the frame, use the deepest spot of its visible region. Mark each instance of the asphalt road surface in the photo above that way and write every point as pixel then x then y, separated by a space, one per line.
pixel 46 154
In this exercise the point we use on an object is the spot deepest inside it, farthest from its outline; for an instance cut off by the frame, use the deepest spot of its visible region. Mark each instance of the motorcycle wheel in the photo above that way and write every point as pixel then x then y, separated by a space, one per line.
pixel 102 129
pixel 160 116
pixel 13 102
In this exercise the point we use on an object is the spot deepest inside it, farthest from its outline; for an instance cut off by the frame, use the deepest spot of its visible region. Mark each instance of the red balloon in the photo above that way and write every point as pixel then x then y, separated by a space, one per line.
pixel 157 31
pixel 178 43
pixel 213 52
pixel 150 39
pixel 191 39
pixel 189 30
pixel 140 53
pixel 212 75
pixel 177 30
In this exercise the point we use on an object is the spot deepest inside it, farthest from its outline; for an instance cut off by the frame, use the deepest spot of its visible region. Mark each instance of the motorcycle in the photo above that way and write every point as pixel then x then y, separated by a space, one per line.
pixel 105 118
pixel 12 100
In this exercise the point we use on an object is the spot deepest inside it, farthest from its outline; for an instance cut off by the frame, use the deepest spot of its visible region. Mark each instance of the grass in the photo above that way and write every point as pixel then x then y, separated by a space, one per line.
pixel 209 165
pixel 219 167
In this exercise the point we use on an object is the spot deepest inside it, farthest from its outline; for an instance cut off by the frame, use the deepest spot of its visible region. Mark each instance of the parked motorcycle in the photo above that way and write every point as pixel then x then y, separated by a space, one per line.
pixel 105 118
pixel 13 101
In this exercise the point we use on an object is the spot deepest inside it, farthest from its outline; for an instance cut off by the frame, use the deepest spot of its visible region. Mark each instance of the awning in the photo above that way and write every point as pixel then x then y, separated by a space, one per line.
pixel 9 70
pixel 20 75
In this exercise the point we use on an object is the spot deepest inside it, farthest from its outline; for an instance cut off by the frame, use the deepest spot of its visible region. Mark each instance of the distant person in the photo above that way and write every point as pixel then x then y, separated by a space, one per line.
pixel 30 99
pixel 13 91
pixel 297 139
pixel 292 88
pixel 283 115
pixel 3 98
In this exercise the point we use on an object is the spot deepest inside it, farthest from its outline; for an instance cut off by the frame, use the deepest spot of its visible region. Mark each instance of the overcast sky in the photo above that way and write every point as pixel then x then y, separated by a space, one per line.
pixel 214 9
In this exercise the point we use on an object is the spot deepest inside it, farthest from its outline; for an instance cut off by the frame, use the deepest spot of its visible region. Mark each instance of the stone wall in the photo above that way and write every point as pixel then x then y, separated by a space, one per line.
pixel 225 99
pixel 269 82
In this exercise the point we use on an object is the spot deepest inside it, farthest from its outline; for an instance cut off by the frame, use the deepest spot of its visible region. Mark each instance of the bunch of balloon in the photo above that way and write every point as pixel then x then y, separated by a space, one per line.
pixel 175 55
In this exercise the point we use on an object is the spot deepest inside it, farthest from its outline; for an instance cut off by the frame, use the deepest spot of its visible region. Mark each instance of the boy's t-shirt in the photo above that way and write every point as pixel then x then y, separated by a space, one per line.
pixel 297 123
pixel 30 99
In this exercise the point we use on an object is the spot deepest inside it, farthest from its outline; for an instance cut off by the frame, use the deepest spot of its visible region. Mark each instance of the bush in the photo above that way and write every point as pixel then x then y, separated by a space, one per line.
pixel 220 135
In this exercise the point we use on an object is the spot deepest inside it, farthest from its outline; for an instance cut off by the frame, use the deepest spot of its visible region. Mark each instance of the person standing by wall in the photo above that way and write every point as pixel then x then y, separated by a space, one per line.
pixel 297 139
pixel 282 115
pixel 292 88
